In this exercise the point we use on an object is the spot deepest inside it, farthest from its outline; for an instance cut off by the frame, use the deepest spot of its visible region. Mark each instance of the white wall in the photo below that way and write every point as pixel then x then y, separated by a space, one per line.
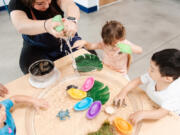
pixel 2 4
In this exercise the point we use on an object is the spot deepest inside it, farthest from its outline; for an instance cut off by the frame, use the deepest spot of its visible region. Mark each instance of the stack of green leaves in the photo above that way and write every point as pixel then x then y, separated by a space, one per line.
pixel 99 92
pixel 88 62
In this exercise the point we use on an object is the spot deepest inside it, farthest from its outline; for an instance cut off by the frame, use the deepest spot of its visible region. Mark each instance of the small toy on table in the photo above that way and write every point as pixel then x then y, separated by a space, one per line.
pixel 63 114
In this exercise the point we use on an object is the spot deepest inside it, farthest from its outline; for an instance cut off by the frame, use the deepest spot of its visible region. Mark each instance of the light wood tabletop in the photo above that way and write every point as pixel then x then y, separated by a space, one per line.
pixel 166 126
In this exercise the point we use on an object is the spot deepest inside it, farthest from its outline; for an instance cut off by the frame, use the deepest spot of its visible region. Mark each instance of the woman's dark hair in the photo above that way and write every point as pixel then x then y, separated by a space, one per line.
pixel 51 10
pixel 112 31
pixel 168 61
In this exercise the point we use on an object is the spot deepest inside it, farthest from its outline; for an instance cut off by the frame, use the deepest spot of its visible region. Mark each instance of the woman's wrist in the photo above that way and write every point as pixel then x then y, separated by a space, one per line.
pixel 45 26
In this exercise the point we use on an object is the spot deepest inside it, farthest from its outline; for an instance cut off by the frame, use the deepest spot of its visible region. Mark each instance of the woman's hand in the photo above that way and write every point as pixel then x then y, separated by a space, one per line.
pixel 3 90
pixel 79 44
pixel 50 26
pixel 70 28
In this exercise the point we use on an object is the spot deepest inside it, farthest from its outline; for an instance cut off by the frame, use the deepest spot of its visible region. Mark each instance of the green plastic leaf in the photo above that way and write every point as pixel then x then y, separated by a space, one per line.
pixel 88 62
pixel 106 129
pixel 124 48
pixel 58 18
pixel 99 92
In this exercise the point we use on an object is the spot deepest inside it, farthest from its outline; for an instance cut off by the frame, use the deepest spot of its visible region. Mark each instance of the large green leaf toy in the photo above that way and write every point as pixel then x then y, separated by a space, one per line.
pixel 99 92
pixel 88 62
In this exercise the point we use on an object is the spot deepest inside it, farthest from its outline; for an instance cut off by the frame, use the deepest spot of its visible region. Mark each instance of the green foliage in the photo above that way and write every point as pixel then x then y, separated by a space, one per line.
pixel 99 92
pixel 106 129
pixel 88 62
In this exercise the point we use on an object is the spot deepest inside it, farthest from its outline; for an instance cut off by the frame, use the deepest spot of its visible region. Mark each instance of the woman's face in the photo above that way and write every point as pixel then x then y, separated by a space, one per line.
pixel 41 5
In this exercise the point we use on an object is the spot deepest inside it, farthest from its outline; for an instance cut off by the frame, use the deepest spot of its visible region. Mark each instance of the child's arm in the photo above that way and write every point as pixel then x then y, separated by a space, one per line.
pixel 37 103
pixel 135 48
pixel 148 115
pixel 119 99
pixel 3 90
pixel 90 46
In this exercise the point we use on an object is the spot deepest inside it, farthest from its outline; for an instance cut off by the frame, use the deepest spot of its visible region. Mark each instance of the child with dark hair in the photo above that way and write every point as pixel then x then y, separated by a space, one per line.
pixel 163 86
pixel 113 33
pixel 7 125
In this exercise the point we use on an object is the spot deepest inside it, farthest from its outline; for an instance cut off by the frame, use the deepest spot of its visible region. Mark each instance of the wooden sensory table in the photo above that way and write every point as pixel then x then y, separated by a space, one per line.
pixel 166 126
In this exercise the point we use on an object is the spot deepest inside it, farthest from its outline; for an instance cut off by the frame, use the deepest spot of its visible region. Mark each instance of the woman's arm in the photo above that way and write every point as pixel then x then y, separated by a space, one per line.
pixel 70 8
pixel 28 26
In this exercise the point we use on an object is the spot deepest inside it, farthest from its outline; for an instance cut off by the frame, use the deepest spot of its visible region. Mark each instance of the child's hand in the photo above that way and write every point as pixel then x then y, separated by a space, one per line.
pixel 41 103
pixel 119 100
pixel 136 117
pixel 3 90
pixel 79 44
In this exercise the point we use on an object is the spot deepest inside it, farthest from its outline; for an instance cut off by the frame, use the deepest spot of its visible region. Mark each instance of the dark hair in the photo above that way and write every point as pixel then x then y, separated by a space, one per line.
pixel 111 31
pixel 28 3
pixel 52 11
pixel 168 61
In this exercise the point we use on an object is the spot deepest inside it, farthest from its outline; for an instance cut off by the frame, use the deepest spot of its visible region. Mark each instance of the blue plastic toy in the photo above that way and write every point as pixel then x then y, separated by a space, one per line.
pixel 63 114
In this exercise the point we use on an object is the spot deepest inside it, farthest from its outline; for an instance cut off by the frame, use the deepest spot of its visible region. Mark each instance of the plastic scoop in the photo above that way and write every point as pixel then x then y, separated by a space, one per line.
pixel 123 126
pixel 83 104
pixel 76 93
pixel 94 110
pixel 124 48
pixel 88 84
pixel 58 18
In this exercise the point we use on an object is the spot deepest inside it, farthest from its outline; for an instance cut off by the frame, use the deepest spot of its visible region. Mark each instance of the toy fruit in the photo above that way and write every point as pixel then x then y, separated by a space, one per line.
pixel 123 126
pixel 94 110
pixel 76 93
pixel 83 104
pixel 88 84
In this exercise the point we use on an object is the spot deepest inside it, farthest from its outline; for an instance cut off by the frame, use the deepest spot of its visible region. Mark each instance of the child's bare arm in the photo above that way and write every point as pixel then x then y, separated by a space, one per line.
pixel 3 90
pixel 135 48
pixel 148 115
pixel 37 103
pixel 119 99
pixel 90 46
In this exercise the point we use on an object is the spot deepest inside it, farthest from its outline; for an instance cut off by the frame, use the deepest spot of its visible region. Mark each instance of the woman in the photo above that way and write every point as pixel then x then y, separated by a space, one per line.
pixel 33 18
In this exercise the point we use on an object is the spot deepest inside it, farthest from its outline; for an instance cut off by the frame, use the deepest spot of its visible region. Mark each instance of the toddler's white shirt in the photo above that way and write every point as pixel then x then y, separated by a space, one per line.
pixel 168 98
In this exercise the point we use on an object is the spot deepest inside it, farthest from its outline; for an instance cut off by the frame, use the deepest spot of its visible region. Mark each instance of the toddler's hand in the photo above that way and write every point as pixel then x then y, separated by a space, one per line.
pixel 3 90
pixel 136 117
pixel 119 100
pixel 79 44
pixel 41 103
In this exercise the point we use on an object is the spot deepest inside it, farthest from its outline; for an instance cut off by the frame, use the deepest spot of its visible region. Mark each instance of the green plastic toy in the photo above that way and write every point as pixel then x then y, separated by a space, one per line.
pixel 99 92
pixel 106 129
pixel 58 18
pixel 88 62
pixel 124 48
